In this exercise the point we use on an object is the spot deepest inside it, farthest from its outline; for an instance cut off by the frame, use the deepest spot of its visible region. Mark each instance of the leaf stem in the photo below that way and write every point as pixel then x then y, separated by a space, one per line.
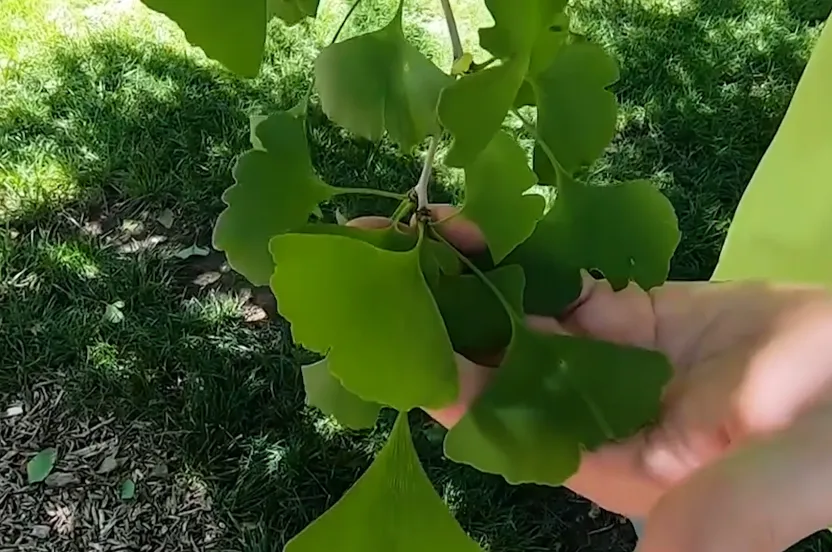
pixel 515 317
pixel 424 179
pixel 531 129
pixel 344 21
pixel 368 191
pixel 404 207
pixel 456 43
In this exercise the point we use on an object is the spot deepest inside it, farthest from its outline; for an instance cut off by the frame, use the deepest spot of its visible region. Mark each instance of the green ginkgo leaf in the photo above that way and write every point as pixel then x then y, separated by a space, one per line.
pixel 378 81
pixel 552 281
pixel 576 111
pixel 292 12
pixel 522 38
pixel 276 190
pixel 552 397
pixel 40 466
pixel 628 231
pixel 232 32
pixel 495 195
pixel 782 228
pixel 474 107
pixel 336 291
pixel 325 392
pixel 475 318
pixel 392 507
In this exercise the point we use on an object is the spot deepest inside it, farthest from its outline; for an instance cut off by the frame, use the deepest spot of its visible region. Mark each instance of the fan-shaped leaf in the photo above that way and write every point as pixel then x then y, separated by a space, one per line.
pixel 276 191
pixel 379 81
pixel 495 195
pixel 627 231
pixel 392 507
pixel 551 397
pixel 336 291
pixel 231 32
pixel 325 392
pixel 576 112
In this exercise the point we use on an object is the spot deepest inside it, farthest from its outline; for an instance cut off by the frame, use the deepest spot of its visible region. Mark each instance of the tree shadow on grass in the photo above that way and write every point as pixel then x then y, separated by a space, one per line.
pixel 137 129
pixel 703 90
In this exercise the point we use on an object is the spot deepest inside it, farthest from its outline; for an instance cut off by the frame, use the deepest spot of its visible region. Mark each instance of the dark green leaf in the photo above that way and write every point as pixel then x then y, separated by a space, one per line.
pixel 379 81
pixel 338 292
pixel 495 195
pixel 475 318
pixel 552 283
pixel 553 396
pixel 474 107
pixel 231 32
pixel 576 112
pixel 39 467
pixel 276 191
pixel 292 11
pixel 325 392
pixel 628 231
pixel 392 507
pixel 525 37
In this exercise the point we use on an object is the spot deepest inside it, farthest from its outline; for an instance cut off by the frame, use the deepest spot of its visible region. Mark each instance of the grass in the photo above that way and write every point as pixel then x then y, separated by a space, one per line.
pixel 108 119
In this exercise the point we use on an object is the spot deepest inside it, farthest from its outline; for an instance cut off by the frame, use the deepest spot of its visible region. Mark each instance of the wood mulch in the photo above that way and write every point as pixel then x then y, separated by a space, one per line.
pixel 79 506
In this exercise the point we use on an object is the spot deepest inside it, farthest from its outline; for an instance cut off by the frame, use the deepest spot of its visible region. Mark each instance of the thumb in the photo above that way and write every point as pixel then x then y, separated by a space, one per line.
pixel 763 497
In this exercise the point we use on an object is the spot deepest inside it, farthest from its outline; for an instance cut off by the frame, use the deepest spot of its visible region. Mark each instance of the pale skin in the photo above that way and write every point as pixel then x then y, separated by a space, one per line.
pixel 741 458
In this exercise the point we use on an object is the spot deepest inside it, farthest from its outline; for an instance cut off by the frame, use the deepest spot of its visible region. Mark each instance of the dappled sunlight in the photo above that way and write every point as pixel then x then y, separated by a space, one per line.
pixel 34 184
pixel 73 260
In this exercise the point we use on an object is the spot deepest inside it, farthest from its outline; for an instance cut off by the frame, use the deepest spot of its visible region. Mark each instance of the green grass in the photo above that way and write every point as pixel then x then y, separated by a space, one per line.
pixel 107 119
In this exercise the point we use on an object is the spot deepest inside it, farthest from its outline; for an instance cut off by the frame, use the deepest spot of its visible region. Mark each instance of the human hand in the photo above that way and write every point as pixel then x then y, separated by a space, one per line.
pixel 741 458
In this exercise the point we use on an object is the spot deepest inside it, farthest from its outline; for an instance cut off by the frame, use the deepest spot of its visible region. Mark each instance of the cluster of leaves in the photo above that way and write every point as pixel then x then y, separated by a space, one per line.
pixel 391 307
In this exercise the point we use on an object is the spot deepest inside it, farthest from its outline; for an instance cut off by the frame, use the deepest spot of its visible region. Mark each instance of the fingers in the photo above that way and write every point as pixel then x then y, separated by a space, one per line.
pixel 473 379
pixel 463 234
pixel 761 498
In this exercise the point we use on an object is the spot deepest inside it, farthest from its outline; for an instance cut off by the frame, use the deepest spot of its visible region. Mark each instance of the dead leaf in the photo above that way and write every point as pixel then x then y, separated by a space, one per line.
pixel 61 479
pixel 165 218
pixel 192 251
pixel 108 464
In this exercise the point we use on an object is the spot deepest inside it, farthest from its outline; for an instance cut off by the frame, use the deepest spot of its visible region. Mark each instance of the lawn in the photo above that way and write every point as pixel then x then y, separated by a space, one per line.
pixel 120 340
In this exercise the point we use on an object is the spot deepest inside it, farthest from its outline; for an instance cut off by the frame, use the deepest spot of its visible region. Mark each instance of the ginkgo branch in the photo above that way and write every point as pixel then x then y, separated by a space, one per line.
pixel 531 129
pixel 424 178
pixel 369 191
pixel 456 43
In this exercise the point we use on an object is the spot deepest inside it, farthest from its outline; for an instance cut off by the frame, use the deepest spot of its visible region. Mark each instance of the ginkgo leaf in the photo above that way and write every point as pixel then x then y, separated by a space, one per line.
pixel 378 81
pixel 437 258
pixel 475 318
pixel 232 33
pixel 392 507
pixel 552 282
pixel 325 392
pixel 576 111
pixel 276 190
pixel 336 291
pixel 253 122
pixel 474 107
pixel 552 397
pixel 292 11
pixel 495 198
pixel 40 466
pixel 781 230
pixel 628 231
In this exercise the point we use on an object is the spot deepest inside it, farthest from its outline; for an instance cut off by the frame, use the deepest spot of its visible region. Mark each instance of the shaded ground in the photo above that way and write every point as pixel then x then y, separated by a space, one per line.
pixel 114 150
